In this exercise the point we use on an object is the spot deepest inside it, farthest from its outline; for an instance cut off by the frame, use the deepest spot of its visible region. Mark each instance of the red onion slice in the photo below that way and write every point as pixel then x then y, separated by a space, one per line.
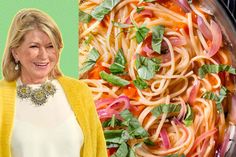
pixel 148 50
pixel 184 5
pixel 147 13
pixel 223 147
pixel 203 28
pixel 216 39
pixel 176 41
pixel 232 112
pixel 193 93
pixel 165 138
pixel 101 102
pixel 117 106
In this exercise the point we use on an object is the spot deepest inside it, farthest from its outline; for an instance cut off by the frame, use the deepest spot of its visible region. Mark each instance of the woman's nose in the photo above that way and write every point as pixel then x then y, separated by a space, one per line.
pixel 43 53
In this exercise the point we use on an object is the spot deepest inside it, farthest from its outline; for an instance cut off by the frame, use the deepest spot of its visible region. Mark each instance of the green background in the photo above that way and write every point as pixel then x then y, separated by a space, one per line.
pixel 64 13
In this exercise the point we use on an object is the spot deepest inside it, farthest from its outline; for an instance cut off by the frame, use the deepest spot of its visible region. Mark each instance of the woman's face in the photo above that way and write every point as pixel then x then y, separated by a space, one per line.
pixel 37 57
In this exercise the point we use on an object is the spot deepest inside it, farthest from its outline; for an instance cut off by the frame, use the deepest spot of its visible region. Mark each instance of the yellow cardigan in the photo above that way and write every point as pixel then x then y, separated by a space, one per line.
pixel 80 99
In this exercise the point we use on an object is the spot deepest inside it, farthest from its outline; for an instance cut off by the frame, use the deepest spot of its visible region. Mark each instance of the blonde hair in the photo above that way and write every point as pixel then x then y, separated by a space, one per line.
pixel 24 21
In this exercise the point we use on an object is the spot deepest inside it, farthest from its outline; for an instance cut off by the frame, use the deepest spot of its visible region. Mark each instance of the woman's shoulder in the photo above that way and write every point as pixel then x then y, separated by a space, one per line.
pixel 72 82
pixel 7 84
pixel 3 82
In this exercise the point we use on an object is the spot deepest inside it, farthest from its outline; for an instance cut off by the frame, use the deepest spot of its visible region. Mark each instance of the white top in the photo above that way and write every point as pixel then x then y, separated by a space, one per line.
pixel 50 130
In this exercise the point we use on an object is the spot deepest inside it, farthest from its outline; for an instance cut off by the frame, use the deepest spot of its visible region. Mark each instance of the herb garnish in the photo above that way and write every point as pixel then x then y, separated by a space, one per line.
pixel 90 61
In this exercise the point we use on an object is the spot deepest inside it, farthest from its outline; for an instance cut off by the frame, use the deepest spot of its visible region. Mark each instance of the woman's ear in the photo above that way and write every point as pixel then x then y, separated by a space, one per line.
pixel 14 54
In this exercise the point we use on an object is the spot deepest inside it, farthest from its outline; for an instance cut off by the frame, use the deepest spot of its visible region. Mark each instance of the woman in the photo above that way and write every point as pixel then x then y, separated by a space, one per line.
pixel 43 113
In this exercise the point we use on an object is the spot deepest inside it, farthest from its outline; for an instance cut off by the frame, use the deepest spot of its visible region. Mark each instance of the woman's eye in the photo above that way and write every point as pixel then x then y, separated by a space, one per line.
pixel 50 46
pixel 33 46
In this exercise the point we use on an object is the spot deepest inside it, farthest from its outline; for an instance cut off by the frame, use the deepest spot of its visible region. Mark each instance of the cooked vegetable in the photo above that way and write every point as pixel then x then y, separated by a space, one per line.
pixel 184 5
pixel 84 17
pixel 134 128
pixel 165 108
pixel 157 37
pixel 121 25
pixel 165 138
pixel 216 39
pixel 213 68
pixel 146 67
pixel 188 120
pixel 88 39
pixel 203 28
pixel 140 83
pixel 122 151
pixel 139 9
pixel 141 33
pixel 90 61
pixel 112 122
pixel 217 98
pixel 104 8
pixel 118 66
pixel 115 80
pixel 116 136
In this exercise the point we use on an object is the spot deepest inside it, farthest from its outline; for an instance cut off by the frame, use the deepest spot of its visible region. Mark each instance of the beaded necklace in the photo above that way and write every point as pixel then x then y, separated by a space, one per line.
pixel 37 96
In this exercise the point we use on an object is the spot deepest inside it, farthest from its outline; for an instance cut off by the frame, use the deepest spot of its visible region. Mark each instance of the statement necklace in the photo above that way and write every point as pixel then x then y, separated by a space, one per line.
pixel 37 96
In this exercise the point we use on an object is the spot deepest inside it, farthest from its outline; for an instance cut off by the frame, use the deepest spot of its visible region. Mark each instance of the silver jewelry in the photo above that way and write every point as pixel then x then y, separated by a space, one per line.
pixel 17 66
pixel 37 96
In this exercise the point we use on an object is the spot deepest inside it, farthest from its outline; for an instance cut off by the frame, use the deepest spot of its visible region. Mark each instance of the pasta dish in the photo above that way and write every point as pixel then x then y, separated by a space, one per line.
pixel 161 75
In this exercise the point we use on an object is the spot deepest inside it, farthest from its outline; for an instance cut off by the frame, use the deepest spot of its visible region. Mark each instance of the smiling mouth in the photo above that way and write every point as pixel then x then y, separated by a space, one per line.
pixel 41 65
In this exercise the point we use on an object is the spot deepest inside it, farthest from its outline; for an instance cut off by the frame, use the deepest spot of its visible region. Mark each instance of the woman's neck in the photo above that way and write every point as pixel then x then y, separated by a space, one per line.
pixel 33 81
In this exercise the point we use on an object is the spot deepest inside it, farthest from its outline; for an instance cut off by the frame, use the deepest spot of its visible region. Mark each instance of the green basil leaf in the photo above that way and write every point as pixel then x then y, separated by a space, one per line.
pixel 122 151
pixel 217 98
pixel 84 17
pixel 219 105
pixel 126 115
pixel 157 37
pixel 90 61
pixel 134 128
pixel 139 9
pixel 223 91
pixel 211 96
pixel 115 80
pixel 113 122
pixel 149 142
pixel 146 67
pixel 165 108
pixel 88 39
pixel 87 66
pixel 112 145
pixel 189 117
pixel 121 25
pixel 213 68
pixel 116 136
pixel 131 153
pixel 118 66
pixel 145 73
pixel 141 33
pixel 140 83
pixel 104 8
pixel 93 55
